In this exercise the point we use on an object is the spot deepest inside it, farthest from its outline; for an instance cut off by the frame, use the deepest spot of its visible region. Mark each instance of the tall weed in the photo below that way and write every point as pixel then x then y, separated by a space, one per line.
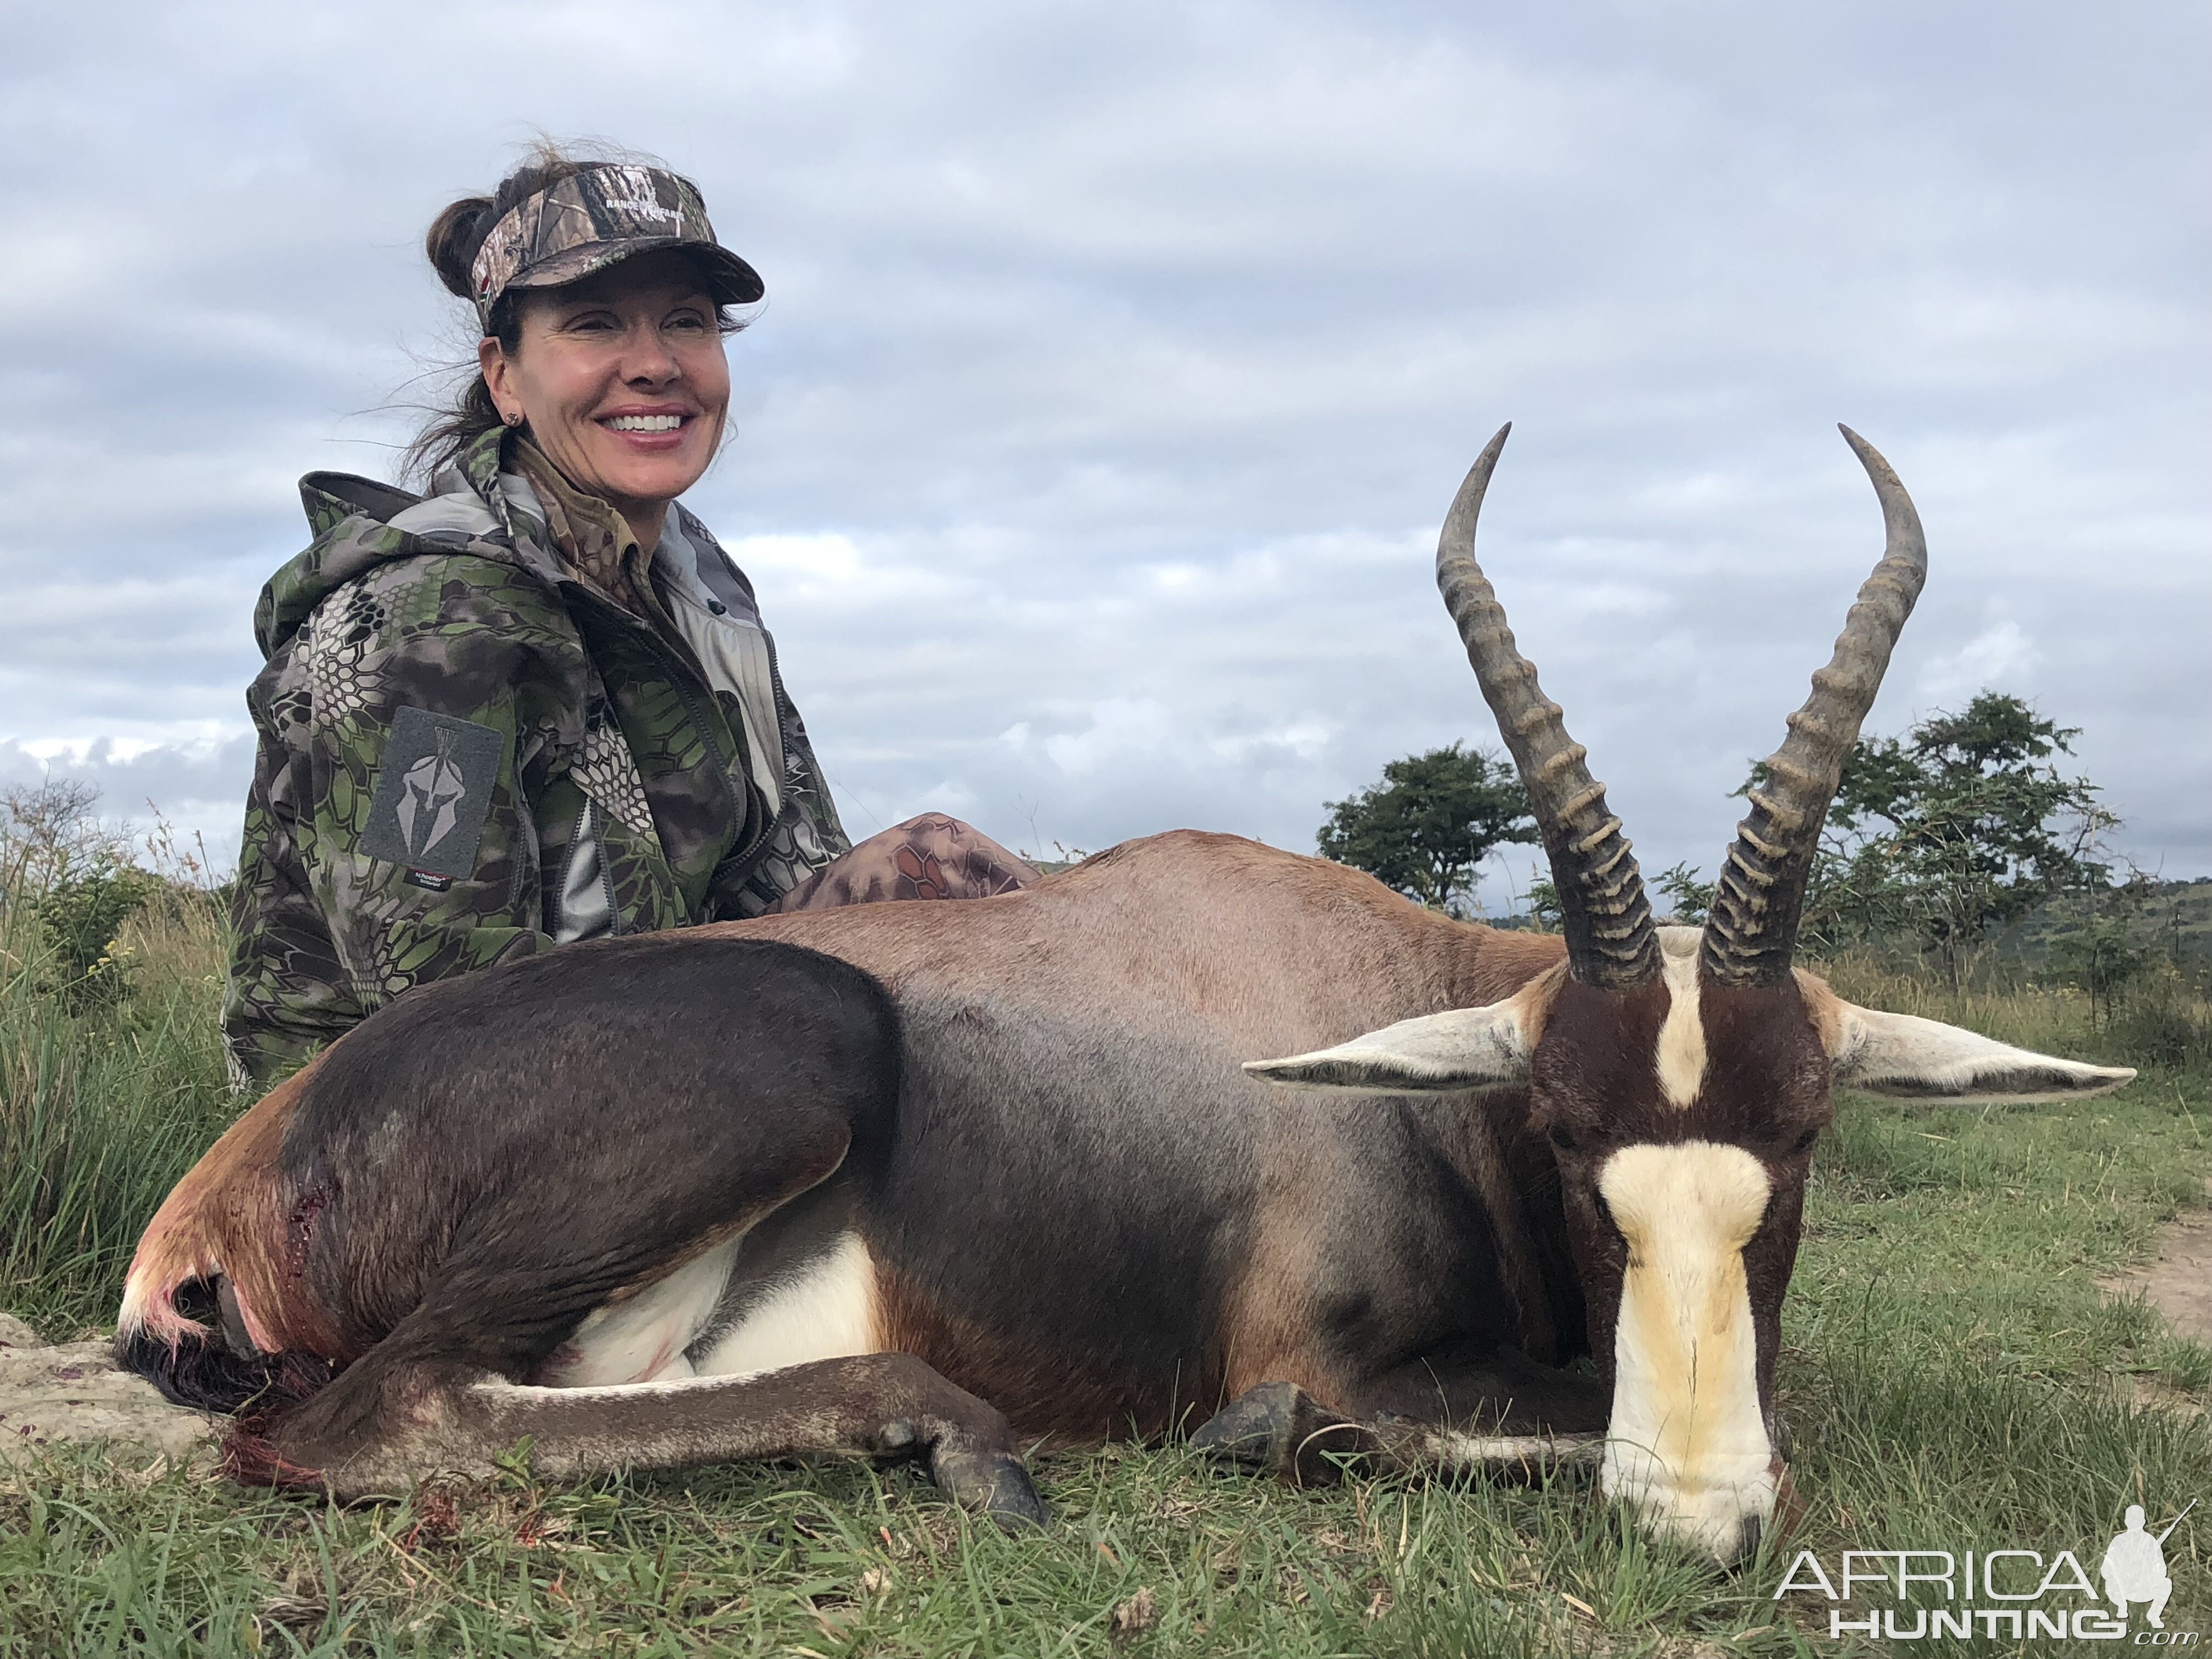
pixel 104 1103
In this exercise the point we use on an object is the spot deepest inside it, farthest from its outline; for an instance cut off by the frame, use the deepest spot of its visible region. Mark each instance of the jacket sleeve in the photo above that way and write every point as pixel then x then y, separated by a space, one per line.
pixel 389 838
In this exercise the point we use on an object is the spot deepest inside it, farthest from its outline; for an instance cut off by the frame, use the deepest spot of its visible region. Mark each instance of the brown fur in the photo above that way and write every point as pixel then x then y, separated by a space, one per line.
pixel 234 1213
pixel 1257 966
pixel 1824 1008
pixel 1110 935
pixel 1048 1397
pixel 1267 1328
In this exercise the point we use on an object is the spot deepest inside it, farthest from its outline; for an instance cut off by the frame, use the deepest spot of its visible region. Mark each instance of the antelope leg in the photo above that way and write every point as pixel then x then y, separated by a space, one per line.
pixel 1497 1410
pixel 435 1418
pixel 1279 1428
pixel 1513 1457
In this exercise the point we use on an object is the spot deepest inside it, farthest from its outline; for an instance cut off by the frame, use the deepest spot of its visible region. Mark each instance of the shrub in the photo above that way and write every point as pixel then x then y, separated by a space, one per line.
pixel 80 917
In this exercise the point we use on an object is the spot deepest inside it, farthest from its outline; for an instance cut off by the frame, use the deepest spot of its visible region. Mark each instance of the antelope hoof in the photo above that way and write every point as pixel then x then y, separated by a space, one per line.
pixel 991 1482
pixel 1279 1428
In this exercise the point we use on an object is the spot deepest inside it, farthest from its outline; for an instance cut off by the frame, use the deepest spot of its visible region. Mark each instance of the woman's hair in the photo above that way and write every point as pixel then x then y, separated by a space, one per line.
pixel 454 237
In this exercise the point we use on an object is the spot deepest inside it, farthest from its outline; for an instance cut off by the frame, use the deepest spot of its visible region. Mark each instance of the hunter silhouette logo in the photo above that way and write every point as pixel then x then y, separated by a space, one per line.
pixel 434 790
pixel 2133 1568
pixel 2013 1594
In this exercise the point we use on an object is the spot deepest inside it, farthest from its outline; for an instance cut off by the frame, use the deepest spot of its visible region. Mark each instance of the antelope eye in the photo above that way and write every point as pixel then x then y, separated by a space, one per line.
pixel 1562 1139
pixel 1805 1141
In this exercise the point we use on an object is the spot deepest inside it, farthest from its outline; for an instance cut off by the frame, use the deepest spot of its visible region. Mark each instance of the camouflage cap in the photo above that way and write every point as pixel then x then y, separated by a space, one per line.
pixel 594 218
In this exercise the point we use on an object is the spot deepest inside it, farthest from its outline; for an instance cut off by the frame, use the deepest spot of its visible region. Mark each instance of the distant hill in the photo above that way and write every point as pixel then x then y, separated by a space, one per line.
pixel 2176 916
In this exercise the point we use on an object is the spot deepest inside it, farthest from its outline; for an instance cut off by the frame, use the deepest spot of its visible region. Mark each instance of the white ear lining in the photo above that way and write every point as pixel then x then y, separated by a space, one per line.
pixel 1904 1054
pixel 1459 1048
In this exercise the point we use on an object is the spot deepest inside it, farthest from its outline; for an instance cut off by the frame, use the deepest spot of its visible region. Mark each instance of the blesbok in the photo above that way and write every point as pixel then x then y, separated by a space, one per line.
pixel 944 1180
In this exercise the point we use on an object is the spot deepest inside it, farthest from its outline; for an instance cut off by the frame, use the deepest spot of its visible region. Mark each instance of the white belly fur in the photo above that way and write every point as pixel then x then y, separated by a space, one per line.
pixel 643 1340
pixel 824 1311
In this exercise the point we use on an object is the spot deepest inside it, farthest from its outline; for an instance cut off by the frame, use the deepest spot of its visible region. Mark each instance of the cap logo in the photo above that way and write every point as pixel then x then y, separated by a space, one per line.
pixel 595 217
pixel 629 191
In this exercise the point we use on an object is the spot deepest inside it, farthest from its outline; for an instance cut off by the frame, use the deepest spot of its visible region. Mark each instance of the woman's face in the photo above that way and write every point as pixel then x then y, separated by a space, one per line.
pixel 623 381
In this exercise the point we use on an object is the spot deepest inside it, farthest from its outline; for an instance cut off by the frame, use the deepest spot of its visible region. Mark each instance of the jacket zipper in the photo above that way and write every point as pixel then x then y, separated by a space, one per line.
pixel 684 682
pixel 680 676
pixel 781 701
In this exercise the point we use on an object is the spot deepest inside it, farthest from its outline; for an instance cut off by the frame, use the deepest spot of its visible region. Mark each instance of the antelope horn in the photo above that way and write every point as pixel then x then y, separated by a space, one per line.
pixel 1760 896
pixel 1610 940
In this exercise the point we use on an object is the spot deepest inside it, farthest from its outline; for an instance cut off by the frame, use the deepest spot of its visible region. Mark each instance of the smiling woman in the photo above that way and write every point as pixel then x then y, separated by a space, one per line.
pixel 621 381
pixel 537 704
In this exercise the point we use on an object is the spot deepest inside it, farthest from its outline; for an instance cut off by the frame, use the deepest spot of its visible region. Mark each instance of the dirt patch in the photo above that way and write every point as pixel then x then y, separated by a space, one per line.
pixel 72 1391
pixel 2178 1281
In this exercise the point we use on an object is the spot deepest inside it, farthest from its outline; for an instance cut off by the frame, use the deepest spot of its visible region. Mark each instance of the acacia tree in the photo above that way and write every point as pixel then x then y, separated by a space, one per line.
pixel 1957 830
pixel 1426 827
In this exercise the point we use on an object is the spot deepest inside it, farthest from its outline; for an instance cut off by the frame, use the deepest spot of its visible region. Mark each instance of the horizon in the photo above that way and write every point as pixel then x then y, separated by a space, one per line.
pixel 1118 367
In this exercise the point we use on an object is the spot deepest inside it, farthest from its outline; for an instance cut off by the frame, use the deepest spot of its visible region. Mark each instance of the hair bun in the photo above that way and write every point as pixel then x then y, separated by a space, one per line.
pixel 455 236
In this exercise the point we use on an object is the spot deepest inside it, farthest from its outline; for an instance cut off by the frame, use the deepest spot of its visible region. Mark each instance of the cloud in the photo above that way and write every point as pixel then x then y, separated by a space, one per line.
pixel 2000 656
pixel 1121 362
pixel 194 788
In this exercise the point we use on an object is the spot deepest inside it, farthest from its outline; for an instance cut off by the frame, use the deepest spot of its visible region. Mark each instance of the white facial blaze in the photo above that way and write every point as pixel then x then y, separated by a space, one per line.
pixel 1682 1057
pixel 1688 1442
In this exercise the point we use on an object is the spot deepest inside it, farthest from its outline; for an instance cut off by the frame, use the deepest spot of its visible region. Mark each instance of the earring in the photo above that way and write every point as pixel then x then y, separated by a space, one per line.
pixel 514 419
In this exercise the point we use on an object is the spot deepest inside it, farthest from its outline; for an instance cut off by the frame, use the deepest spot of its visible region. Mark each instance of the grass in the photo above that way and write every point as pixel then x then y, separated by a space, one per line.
pixel 1951 1375
pixel 99 1116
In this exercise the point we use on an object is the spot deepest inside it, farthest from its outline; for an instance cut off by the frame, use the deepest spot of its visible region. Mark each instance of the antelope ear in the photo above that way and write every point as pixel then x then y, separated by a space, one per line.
pixel 1904 1054
pixel 1462 1048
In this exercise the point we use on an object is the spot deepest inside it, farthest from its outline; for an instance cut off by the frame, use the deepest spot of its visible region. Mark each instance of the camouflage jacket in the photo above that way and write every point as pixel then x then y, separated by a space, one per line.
pixel 467 754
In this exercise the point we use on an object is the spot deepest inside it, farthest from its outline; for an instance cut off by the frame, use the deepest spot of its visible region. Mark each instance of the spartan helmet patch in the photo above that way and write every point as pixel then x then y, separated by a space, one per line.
pixel 434 786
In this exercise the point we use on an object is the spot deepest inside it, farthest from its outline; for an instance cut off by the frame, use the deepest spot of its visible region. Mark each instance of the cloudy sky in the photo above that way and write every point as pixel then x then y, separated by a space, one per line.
pixel 1121 362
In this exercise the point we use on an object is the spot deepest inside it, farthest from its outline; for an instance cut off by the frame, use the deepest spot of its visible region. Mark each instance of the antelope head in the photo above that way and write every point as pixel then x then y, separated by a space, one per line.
pixel 1681 1076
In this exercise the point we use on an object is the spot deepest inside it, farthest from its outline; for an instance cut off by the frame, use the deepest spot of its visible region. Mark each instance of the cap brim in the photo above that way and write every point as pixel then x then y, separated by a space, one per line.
pixel 730 279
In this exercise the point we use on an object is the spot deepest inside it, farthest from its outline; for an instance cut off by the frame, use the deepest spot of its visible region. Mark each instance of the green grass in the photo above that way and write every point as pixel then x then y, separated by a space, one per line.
pixel 1951 1376
pixel 99 1116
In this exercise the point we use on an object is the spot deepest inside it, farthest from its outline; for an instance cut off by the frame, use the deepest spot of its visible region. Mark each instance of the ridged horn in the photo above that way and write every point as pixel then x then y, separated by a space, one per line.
pixel 1752 933
pixel 1602 910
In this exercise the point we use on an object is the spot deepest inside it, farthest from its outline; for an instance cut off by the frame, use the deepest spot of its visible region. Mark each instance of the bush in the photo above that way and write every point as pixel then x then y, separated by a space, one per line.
pixel 105 1099
pixel 79 917
pixel 2158 1022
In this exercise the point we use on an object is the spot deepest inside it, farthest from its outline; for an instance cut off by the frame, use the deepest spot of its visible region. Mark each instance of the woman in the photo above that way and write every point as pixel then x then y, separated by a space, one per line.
pixel 537 705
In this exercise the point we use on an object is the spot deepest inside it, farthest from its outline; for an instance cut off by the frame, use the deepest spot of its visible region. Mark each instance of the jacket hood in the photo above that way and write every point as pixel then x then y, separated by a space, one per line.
pixel 359 524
